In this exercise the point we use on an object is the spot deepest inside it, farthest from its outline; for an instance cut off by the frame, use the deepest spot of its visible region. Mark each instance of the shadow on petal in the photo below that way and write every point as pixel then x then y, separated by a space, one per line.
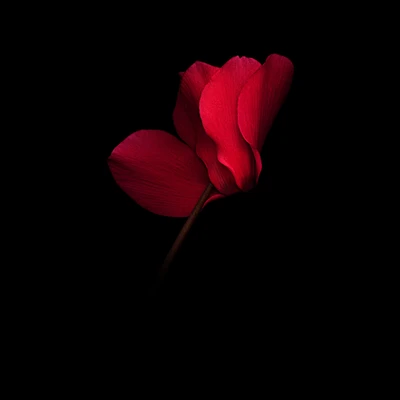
pixel 189 127
pixel 261 98
pixel 218 111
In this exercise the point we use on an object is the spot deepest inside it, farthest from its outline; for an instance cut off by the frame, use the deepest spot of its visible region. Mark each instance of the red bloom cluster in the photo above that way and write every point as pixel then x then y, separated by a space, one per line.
pixel 223 115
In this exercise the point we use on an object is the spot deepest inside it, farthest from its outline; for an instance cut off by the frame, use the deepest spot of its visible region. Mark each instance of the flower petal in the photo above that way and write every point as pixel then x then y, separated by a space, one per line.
pixel 261 98
pixel 218 111
pixel 190 128
pixel 186 115
pixel 159 172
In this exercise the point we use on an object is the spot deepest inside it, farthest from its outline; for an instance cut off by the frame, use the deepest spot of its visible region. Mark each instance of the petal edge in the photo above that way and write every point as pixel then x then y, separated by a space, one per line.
pixel 159 172
pixel 218 111
pixel 189 126
pixel 261 98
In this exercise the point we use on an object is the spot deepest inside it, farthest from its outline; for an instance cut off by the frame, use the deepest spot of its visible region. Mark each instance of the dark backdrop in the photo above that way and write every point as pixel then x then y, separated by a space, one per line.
pixel 290 256
pixel 271 246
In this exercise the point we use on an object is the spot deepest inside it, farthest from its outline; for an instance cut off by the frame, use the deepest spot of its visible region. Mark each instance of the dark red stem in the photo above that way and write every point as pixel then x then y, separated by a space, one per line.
pixel 183 233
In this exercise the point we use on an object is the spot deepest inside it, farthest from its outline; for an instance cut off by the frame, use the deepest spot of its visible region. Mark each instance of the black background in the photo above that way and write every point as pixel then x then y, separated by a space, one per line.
pixel 294 256
pixel 282 273
pixel 274 247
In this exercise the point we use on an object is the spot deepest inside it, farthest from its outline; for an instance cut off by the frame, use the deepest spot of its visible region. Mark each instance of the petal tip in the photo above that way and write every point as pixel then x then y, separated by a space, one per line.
pixel 274 57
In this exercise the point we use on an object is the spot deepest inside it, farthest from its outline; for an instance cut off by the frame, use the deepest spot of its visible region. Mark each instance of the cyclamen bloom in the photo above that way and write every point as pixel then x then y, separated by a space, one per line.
pixel 223 115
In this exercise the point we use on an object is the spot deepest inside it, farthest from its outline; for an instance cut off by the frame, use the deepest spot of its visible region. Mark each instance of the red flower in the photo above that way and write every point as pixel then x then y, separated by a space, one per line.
pixel 223 115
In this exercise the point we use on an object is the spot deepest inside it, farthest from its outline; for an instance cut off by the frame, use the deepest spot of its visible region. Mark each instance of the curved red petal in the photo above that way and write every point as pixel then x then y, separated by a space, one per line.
pixel 261 98
pixel 186 115
pixel 218 111
pixel 190 128
pixel 159 172
pixel 213 196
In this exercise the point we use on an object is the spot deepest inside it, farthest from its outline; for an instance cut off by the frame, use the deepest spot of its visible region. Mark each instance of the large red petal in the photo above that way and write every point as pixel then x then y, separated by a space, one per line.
pixel 261 98
pixel 218 111
pixel 159 172
pixel 190 128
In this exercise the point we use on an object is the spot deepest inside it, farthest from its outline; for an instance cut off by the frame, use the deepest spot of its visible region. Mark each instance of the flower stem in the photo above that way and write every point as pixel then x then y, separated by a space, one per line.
pixel 184 231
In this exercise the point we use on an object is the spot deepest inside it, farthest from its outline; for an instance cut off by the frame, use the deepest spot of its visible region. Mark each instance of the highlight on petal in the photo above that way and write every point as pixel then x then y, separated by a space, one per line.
pixel 189 127
pixel 159 172
pixel 218 111
pixel 261 98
